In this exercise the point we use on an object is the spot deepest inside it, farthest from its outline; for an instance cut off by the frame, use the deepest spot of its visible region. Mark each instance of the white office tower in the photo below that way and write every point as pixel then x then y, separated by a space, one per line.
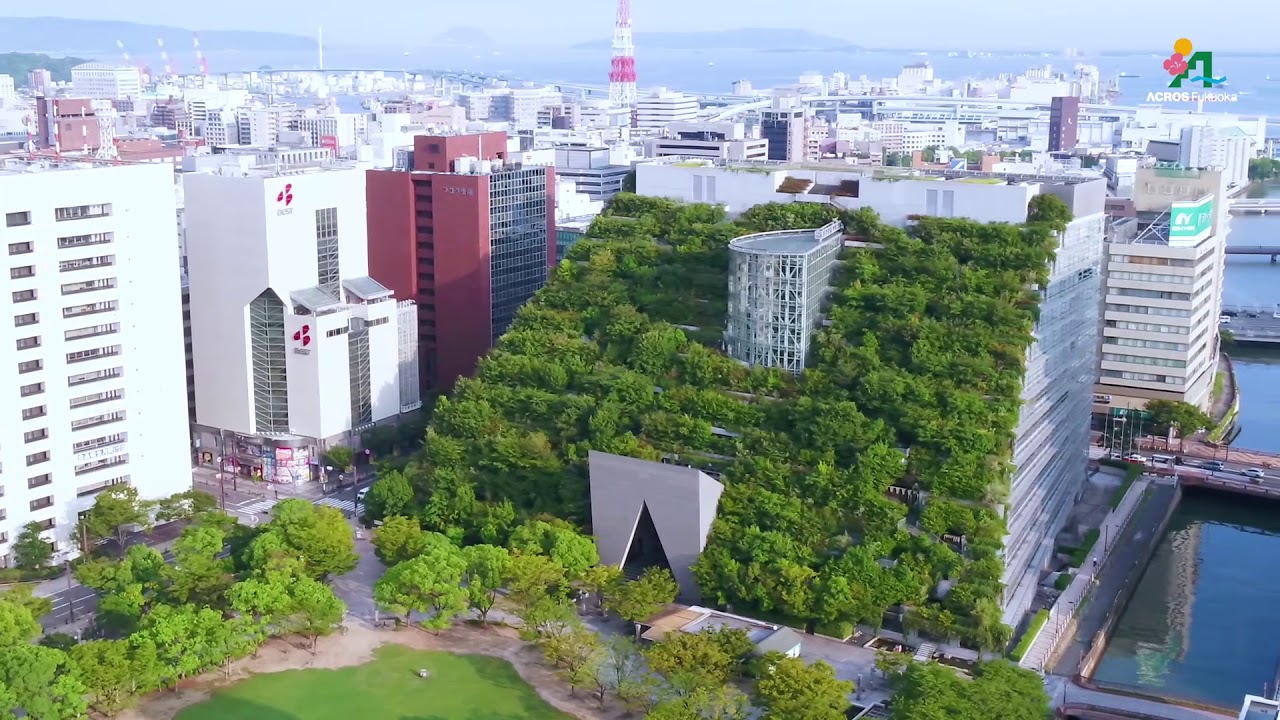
pixel 92 364
pixel 1164 291
pixel 7 91
pixel 101 81
pixel 661 108
pixel 294 346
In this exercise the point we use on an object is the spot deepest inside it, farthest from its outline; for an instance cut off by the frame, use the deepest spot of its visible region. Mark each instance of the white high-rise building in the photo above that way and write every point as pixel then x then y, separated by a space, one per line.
pixel 7 91
pixel 93 360
pixel 294 346
pixel 662 108
pixel 106 82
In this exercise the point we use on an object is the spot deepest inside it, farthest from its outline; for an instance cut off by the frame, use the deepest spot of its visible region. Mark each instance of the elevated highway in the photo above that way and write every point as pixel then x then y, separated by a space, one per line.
pixel 1254 206
pixel 1253 323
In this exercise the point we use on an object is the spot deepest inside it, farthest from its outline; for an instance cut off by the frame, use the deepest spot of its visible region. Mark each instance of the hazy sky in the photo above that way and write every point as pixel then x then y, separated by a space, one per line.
pixel 975 24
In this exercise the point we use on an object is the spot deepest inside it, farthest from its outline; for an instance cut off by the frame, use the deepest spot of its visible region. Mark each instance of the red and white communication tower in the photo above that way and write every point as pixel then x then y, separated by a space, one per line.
pixel 204 64
pixel 622 74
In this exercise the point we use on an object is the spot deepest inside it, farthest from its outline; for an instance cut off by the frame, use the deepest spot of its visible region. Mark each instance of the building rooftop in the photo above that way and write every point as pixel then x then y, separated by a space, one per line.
pixel 1259 708
pixel 788 242
pixel 692 619
pixel 22 165
pixel 886 173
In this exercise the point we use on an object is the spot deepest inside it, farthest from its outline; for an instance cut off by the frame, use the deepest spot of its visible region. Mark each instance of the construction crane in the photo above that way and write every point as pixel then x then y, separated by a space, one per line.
pixel 204 64
pixel 128 60
pixel 164 57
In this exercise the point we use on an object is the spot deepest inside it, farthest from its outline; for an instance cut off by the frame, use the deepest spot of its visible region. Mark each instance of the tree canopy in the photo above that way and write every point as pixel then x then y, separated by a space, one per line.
pixel 840 483
pixel 999 689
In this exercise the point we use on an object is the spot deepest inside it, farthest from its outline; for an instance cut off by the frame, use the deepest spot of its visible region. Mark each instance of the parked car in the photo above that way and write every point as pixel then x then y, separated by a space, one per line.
pixel 1136 458
pixel 1214 465
pixel 1224 319
pixel 1254 473
pixel 1251 315
pixel 361 493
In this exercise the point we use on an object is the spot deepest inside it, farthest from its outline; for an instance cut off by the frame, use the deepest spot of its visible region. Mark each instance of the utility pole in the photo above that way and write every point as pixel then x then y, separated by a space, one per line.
pixel 222 469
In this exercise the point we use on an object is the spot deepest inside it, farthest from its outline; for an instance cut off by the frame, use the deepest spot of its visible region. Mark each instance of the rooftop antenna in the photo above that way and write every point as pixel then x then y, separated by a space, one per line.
pixel 204 64
pixel 164 57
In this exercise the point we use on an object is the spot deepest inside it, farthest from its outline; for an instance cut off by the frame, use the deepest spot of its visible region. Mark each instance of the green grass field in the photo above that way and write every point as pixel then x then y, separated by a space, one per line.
pixel 461 687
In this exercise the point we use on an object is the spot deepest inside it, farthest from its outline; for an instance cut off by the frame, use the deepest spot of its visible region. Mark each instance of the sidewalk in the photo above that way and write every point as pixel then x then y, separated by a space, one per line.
pixel 1128 549
pixel 1111 530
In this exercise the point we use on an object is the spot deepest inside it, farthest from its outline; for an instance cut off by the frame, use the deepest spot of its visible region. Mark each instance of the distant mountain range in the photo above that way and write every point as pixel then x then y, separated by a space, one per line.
pixel 17 65
pixel 745 38
pixel 97 38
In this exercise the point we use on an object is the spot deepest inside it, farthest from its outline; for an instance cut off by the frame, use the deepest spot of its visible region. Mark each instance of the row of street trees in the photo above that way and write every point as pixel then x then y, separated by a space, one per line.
pixel 227 589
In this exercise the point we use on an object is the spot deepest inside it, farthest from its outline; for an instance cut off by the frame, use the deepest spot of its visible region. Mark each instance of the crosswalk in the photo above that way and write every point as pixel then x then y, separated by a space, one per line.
pixel 254 507
pixel 346 506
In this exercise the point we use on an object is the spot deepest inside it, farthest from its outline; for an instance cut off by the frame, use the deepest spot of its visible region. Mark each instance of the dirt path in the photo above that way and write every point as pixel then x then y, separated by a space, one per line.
pixel 357 647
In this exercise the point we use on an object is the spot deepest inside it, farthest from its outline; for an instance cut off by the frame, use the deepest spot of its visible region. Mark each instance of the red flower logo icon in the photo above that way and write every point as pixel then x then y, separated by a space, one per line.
pixel 286 195
pixel 1175 65
pixel 304 335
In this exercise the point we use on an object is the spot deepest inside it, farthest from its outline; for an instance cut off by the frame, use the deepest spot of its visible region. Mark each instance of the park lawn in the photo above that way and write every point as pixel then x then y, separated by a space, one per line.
pixel 460 687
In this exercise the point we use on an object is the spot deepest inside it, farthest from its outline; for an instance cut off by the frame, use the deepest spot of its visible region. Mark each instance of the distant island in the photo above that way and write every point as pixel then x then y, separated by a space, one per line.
pixel 64 36
pixel 745 38
pixel 17 65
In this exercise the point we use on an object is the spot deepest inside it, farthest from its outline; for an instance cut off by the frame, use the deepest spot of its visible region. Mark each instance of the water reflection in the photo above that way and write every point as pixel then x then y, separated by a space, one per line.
pixel 1204 621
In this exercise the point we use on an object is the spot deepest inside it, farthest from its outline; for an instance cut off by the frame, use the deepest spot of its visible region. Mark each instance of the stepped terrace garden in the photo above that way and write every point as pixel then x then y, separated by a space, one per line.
pixel 859 486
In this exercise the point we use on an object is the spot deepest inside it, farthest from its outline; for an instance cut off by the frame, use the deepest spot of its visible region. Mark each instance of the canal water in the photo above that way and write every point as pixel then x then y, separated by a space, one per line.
pixel 1204 621
pixel 1202 624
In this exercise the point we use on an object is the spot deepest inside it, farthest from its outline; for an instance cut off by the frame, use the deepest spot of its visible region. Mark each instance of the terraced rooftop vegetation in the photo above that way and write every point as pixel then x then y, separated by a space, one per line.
pixel 861 485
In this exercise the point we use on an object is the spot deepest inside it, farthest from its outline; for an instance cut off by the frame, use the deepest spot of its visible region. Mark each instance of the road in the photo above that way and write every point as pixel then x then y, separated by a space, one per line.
pixel 1231 468
pixel 74 603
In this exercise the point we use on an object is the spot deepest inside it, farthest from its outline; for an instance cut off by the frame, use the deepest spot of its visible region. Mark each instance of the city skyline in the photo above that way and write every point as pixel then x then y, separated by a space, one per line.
pixel 1001 27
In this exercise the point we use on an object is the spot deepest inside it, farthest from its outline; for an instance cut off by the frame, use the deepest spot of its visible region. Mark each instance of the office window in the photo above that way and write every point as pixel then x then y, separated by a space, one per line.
pixel 37 458
pixel 28 343
pixel 32 389
pixel 22 271
pixel 26 319
pixel 87 263
pixel 16 219
pixel 30 366
pixel 31 436
pixel 23 295
pixel 42 503
pixel 327 249
pixel 32 413
pixel 39 481
pixel 20 248
pixel 80 212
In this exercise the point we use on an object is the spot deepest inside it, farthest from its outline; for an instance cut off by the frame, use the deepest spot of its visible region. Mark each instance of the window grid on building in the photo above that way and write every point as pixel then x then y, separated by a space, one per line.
pixel 327 250
pixel 518 250
pixel 361 390
pixel 267 349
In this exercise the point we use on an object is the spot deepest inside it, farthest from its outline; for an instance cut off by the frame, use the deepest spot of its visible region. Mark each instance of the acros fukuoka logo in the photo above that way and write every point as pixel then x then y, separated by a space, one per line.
pixel 1195 67
pixel 303 336
pixel 284 199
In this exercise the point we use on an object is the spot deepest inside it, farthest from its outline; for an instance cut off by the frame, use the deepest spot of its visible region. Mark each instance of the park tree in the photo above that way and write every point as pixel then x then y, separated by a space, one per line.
pixel 318 534
pixel 30 550
pixel 700 659
pixel 390 495
pixel 316 609
pixel 399 538
pixel 17 627
pixel 487 572
pixel 115 672
pixel 429 583
pixel 1050 210
pixel 928 691
pixel 559 541
pixel 576 651
pixel 114 511
pixel 1185 418
pixel 791 689
pixel 717 702
pixel 130 587
pixel 43 682
pixel 184 506
pixel 641 598
pixel 197 574
pixel 341 457
pixel 602 581
pixel 24 595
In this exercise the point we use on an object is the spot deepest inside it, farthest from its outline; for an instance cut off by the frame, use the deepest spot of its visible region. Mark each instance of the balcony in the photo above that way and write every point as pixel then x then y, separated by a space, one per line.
pixel 103 464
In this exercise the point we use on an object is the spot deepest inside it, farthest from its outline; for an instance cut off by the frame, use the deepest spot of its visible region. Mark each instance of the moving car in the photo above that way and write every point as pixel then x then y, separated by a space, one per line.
pixel 1136 458
pixel 1214 465
pixel 1224 319
pixel 1254 473
pixel 361 493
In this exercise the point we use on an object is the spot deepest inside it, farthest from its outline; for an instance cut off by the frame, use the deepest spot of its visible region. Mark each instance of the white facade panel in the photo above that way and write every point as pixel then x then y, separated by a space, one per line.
pixel 92 368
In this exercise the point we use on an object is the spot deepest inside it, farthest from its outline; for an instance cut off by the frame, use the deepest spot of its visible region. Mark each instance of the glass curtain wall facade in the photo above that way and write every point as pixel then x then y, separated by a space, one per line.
pixel 267 350
pixel 517 242
pixel 327 272
pixel 358 359
pixel 1051 449
pixel 777 284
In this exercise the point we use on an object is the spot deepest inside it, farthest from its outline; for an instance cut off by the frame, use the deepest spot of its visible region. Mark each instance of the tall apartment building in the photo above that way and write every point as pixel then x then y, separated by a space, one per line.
pixel 468 236
pixel 1064 124
pixel 1228 149
pixel 1051 441
pixel 662 108
pixel 261 126
pixel 294 346
pixel 1164 291
pixel 783 125
pixel 93 359
pixel 7 89
pixel 106 82
pixel 40 81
